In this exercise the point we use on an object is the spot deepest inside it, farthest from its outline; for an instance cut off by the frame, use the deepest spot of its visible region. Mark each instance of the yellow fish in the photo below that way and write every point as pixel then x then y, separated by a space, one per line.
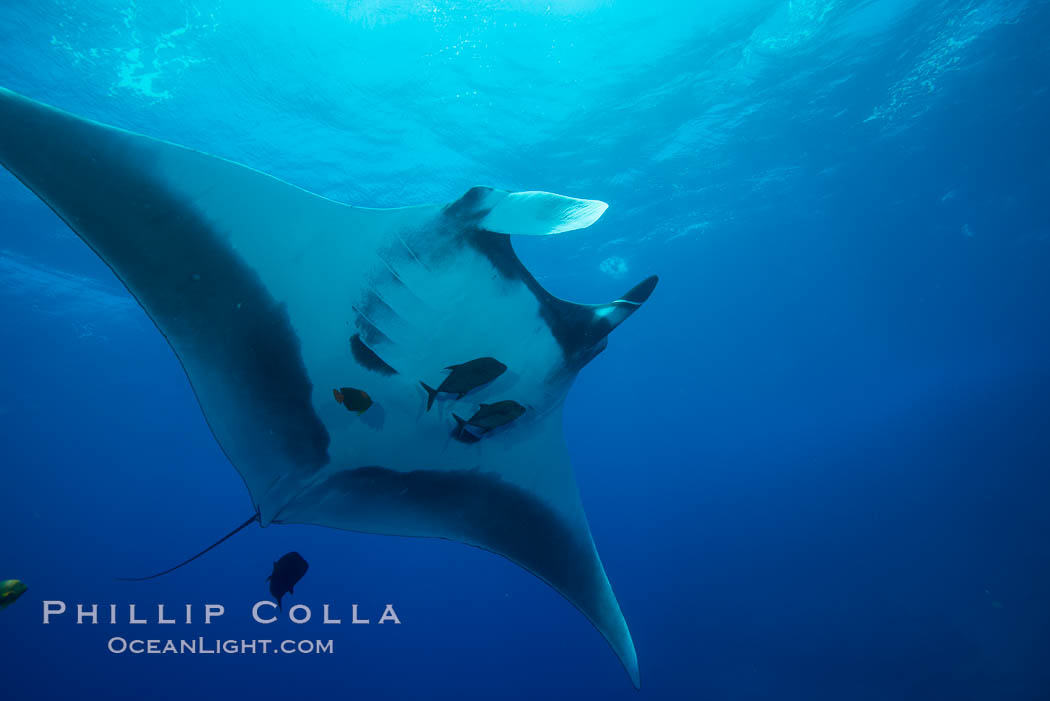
pixel 10 590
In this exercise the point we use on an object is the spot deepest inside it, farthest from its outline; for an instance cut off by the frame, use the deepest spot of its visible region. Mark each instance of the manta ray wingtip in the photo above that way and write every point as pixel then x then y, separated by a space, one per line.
pixel 607 317
pixel 640 292
pixel 630 665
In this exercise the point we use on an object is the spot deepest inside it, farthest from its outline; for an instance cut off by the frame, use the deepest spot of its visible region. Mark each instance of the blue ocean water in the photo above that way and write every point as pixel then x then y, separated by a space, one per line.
pixel 815 463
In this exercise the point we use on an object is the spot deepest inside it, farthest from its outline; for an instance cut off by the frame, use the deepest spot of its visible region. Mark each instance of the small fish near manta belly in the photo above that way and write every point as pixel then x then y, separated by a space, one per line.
pixel 287 571
pixel 353 399
pixel 466 377
pixel 487 418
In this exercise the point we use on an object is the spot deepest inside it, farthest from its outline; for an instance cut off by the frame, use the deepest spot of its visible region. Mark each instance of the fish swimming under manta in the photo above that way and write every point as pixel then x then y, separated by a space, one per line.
pixel 353 399
pixel 487 418
pixel 287 571
pixel 235 269
pixel 465 377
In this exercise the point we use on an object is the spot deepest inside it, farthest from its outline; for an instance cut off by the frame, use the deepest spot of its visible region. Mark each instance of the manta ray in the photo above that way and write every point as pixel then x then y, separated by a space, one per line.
pixel 273 298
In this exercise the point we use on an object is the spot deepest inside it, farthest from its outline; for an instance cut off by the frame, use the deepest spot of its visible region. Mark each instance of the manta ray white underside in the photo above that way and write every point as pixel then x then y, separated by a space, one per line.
pixel 271 297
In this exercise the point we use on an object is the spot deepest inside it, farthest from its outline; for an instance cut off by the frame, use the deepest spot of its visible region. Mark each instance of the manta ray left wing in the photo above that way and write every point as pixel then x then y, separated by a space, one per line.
pixel 274 298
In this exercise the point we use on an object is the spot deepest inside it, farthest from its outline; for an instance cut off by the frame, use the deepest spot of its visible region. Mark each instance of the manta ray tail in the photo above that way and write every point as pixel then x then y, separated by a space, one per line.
pixel 431 394
pixel 238 529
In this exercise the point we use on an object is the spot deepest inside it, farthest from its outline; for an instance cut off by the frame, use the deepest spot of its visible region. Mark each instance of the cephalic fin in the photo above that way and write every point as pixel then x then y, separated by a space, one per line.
pixel 541 214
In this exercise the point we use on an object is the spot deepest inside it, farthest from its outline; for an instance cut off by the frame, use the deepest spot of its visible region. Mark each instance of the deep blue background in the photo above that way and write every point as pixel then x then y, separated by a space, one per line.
pixel 815 464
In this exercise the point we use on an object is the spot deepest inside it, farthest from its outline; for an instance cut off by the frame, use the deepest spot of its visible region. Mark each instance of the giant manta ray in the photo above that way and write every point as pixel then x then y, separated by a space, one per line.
pixel 273 298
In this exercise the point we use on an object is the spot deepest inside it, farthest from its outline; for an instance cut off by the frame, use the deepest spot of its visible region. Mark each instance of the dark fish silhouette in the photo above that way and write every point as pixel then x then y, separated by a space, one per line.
pixel 287 572
pixel 489 416
pixel 353 399
pixel 465 377
pixel 486 418
pixel 464 436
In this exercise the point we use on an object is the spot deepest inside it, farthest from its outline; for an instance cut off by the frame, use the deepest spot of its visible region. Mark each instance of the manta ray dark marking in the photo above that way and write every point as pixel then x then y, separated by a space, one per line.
pixel 367 358
pixel 271 296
